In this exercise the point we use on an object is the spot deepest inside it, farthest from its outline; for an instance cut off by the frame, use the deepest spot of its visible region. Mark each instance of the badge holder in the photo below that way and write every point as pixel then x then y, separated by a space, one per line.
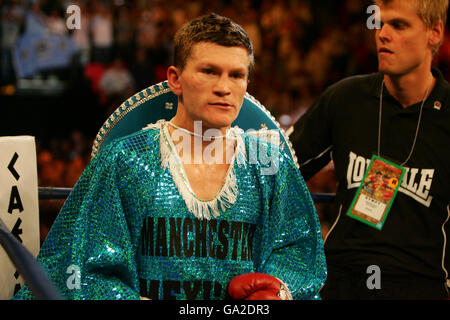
pixel 377 192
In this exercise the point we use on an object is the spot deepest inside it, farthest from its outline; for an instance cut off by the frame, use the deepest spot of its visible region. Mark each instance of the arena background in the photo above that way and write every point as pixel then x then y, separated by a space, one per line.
pixel 62 91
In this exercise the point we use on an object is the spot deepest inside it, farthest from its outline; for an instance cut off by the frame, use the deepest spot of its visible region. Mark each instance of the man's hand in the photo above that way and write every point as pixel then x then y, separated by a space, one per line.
pixel 257 286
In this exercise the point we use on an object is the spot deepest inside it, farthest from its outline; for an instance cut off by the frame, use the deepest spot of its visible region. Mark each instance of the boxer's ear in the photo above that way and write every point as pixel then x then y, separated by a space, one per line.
pixel 173 79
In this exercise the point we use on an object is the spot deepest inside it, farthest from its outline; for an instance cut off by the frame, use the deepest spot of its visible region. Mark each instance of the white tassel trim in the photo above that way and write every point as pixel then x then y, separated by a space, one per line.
pixel 202 209
pixel 284 293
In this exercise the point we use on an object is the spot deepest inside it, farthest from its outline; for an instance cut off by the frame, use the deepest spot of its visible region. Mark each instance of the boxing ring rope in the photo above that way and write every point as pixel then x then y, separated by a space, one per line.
pixel 34 275
pixel 47 193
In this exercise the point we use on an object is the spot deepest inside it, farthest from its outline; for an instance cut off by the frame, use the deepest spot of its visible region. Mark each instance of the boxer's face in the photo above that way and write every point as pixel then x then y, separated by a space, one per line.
pixel 212 85
pixel 403 42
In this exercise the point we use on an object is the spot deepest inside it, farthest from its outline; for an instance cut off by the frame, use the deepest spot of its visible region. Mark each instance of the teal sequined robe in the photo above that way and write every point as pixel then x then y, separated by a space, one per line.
pixel 132 227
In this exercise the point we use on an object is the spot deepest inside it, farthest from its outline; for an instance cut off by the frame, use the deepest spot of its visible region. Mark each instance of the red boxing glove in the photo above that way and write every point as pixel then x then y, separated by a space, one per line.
pixel 257 286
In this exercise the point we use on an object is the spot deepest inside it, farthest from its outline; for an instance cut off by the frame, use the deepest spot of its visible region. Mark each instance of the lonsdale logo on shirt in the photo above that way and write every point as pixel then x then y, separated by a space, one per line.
pixel 416 183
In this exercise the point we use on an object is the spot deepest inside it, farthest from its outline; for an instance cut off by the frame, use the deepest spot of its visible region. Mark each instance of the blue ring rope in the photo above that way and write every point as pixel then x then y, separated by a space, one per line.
pixel 46 193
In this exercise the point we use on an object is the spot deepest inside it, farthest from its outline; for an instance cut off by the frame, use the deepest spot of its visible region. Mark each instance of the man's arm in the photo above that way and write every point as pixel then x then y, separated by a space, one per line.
pixel 312 138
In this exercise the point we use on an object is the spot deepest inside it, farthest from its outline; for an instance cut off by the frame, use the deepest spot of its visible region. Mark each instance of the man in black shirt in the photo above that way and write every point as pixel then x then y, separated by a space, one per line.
pixel 401 114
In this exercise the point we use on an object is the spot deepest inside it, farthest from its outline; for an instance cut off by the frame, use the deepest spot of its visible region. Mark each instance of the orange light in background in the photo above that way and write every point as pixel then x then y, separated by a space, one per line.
pixel 8 90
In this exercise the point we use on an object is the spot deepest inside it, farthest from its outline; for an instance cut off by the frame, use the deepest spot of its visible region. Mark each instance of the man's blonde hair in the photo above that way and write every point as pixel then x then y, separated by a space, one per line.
pixel 430 12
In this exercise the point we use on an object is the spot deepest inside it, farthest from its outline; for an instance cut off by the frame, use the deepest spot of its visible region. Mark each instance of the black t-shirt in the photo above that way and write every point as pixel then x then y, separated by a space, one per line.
pixel 342 125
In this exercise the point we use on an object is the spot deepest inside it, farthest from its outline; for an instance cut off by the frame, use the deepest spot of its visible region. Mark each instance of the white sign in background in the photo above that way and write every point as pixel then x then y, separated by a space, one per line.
pixel 19 203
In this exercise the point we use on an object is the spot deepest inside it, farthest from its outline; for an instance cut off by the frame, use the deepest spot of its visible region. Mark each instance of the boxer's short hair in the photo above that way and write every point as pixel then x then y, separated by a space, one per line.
pixel 210 28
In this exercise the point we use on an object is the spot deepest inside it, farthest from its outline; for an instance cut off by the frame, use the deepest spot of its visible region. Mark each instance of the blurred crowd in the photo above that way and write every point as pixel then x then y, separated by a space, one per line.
pixel 60 163
pixel 301 47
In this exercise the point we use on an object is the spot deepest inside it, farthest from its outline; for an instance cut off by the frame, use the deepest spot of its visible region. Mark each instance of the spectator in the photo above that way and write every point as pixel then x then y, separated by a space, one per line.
pixel 116 85
pixel 11 20
pixel 55 23
pixel 81 36
pixel 102 33
pixel 124 36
